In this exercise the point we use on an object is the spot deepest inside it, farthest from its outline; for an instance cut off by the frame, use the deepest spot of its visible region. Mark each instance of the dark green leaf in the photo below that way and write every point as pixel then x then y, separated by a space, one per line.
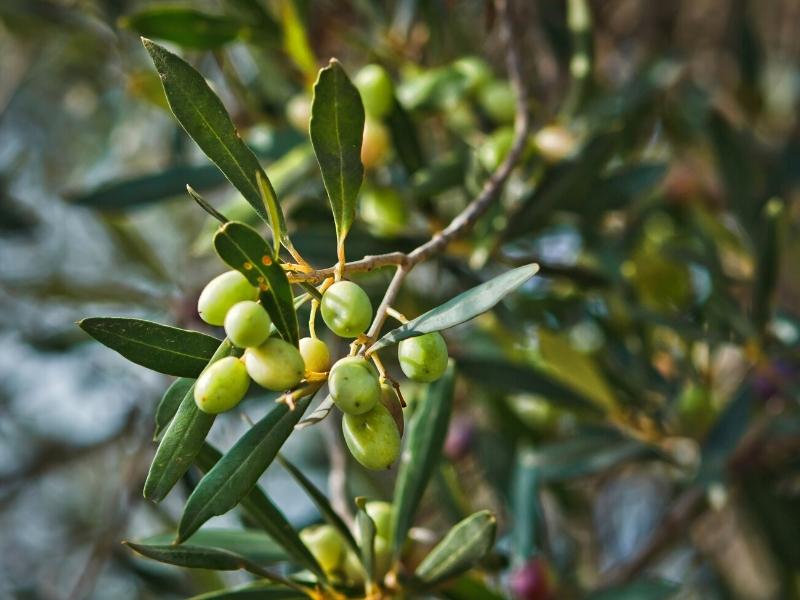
pixel 463 546
pixel 426 434
pixel 182 440
pixel 253 545
pixel 336 127
pixel 203 116
pixel 366 539
pixel 184 26
pixel 321 502
pixel 232 478
pixel 525 505
pixel 462 308
pixel 259 590
pixel 768 265
pixel 263 512
pixel 323 410
pixel 241 247
pixel 638 590
pixel 404 138
pixel 158 347
pixel 170 402
pixel 470 588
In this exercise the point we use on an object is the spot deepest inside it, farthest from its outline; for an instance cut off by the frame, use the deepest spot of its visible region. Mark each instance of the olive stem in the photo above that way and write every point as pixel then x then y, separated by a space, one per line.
pixel 396 315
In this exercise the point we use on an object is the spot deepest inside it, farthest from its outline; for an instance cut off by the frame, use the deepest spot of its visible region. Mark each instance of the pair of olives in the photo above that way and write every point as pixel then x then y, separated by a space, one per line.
pixel 230 300
pixel 338 560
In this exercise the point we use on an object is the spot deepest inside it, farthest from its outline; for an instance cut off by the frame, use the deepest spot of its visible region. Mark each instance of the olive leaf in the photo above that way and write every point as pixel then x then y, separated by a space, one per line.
pixel 202 114
pixel 318 414
pixel 183 26
pixel 253 545
pixel 426 433
pixel 644 589
pixel 336 128
pixel 263 512
pixel 258 590
pixel 366 539
pixel 162 348
pixel 238 470
pixel 460 309
pixel 241 247
pixel 182 440
pixel 170 402
pixel 463 546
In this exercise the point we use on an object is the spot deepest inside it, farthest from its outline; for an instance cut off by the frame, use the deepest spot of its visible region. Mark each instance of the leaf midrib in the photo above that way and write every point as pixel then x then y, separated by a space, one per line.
pixel 152 346
pixel 459 552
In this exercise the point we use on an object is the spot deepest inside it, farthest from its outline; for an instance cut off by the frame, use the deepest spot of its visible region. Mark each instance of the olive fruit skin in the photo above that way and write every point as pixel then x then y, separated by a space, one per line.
pixel 384 211
pixel 391 402
pixel 275 365
pixel 221 386
pixel 353 385
pixel 377 90
pixel 315 353
pixel 374 143
pixel 554 143
pixel 221 293
pixel 423 358
pixel 372 438
pixel 346 309
pixel 475 71
pixel 326 544
pixel 381 514
pixel 497 100
pixel 298 112
pixel 247 324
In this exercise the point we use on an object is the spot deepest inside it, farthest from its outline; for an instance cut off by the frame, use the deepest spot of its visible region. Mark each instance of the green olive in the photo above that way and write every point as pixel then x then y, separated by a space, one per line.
pixel 298 112
pixel 374 144
pixel 315 354
pixel 247 324
pixel 372 438
pixel 326 544
pixel 381 514
pixel 377 90
pixel 493 150
pixel 384 211
pixel 275 365
pixel 423 358
pixel 391 402
pixel 475 71
pixel 352 567
pixel 346 309
pixel 221 386
pixel 221 293
pixel 353 385
pixel 497 100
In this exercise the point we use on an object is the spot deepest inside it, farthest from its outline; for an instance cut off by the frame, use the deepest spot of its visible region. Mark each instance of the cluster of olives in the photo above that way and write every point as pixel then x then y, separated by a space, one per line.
pixel 338 560
pixel 371 423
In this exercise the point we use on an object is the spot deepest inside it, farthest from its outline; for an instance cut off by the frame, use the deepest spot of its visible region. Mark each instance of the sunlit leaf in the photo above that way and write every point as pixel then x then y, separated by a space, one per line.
pixel 462 308
pixel 162 348
pixel 183 26
pixel 170 402
pixel 253 545
pixel 295 39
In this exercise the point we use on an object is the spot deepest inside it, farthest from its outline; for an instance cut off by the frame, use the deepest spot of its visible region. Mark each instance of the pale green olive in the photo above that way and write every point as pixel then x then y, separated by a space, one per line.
pixel 381 514
pixel 247 324
pixel 376 89
pixel 497 100
pixel 221 293
pixel 346 309
pixel 423 358
pixel 221 386
pixel 315 354
pixel 353 385
pixel 384 211
pixel 326 544
pixel 374 144
pixel 275 365
pixel 372 438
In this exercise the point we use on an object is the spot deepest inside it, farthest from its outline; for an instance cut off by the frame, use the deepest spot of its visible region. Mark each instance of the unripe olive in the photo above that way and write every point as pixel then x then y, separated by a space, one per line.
pixel 221 293
pixel 423 358
pixel 221 386
pixel 384 211
pixel 391 402
pixel 374 144
pixel 372 438
pixel 352 567
pixel 315 354
pixel 497 100
pixel 353 385
pixel 247 324
pixel 298 112
pixel 381 514
pixel 326 544
pixel 493 150
pixel 377 90
pixel 474 70
pixel 275 365
pixel 554 143
pixel 346 309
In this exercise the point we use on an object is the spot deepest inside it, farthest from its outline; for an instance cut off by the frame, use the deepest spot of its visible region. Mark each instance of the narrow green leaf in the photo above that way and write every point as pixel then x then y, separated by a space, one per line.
pixel 170 402
pixel 183 26
pixel 182 440
pixel 525 505
pixel 463 546
pixel 253 545
pixel 638 590
pixel 275 216
pixel 201 113
pixel 206 205
pixel 336 127
pixel 462 308
pixel 405 139
pixel 237 472
pixel 295 39
pixel 259 590
pixel 162 348
pixel 263 512
pixel 426 434
pixel 321 412
pixel 366 539
pixel 321 502
pixel 241 247
pixel 470 588
pixel 769 240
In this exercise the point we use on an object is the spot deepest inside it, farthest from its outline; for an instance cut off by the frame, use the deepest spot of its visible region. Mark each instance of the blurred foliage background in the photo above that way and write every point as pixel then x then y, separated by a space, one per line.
pixel 632 415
